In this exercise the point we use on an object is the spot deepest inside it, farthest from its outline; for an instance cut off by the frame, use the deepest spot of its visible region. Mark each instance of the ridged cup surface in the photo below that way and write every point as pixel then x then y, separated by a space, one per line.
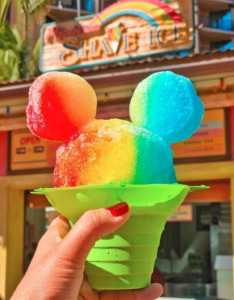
pixel 125 258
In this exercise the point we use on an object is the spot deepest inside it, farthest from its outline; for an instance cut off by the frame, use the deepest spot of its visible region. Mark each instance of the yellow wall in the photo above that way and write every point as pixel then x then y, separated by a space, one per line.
pixel 12 227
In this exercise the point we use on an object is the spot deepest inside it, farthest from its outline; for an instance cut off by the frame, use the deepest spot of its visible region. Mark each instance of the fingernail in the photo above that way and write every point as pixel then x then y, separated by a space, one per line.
pixel 119 209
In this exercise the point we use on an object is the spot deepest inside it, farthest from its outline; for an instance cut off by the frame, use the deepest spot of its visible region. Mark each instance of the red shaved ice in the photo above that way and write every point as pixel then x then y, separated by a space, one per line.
pixel 60 103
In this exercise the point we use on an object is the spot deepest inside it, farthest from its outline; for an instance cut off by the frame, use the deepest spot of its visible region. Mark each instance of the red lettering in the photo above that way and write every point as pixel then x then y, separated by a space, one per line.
pixel 22 141
pixel 66 32
pixel 37 140
pixel 74 31
pixel 62 33
pixel 86 29
pixel 49 33
pixel 79 30
pixel 29 140
pixel 56 31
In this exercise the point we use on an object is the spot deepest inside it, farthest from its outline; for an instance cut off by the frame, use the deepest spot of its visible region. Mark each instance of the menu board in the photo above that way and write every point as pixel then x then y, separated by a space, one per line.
pixel 31 152
pixel 208 140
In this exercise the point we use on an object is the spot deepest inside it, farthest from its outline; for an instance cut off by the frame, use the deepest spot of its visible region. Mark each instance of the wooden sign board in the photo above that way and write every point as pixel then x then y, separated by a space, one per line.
pixel 123 31
pixel 30 152
pixel 210 140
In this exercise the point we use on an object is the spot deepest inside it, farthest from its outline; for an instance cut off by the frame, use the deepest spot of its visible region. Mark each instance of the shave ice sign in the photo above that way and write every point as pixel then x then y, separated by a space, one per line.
pixel 125 30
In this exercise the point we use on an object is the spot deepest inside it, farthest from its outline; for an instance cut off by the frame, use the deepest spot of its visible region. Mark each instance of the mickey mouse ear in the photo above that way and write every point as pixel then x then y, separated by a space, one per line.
pixel 60 103
pixel 167 105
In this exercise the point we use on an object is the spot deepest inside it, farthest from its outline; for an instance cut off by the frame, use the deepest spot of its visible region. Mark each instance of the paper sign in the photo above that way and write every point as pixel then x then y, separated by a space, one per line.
pixel 208 140
pixel 31 152
pixel 183 214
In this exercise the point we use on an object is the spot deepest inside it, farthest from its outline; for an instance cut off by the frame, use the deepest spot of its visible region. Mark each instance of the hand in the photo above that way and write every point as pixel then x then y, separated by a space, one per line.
pixel 56 271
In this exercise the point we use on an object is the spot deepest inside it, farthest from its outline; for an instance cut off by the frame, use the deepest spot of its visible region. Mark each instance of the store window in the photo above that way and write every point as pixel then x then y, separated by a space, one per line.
pixel 49 19
pixel 106 3
pixel 193 255
pixel 221 45
pixel 85 5
pixel 38 216
pixel 221 20
pixel 72 4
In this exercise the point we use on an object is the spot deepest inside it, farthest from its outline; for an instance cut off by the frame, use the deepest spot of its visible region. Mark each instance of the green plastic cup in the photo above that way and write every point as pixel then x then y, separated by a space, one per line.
pixel 125 258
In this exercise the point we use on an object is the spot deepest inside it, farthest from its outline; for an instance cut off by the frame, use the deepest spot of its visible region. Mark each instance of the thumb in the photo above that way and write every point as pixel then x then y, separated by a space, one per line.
pixel 77 244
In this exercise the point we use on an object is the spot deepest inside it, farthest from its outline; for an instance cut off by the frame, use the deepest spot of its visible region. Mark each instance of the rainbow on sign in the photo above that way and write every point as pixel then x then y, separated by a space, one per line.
pixel 155 12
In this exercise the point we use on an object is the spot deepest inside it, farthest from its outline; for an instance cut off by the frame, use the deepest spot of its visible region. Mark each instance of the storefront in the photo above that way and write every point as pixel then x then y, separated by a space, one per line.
pixel 197 244
pixel 205 159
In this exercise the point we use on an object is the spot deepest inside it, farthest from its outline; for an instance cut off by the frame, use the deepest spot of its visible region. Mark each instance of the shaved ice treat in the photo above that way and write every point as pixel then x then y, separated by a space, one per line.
pixel 105 162
pixel 60 103
pixel 113 151
pixel 167 105
pixel 164 109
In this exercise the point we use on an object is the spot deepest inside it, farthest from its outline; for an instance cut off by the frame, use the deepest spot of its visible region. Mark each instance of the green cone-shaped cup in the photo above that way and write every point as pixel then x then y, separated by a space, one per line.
pixel 125 258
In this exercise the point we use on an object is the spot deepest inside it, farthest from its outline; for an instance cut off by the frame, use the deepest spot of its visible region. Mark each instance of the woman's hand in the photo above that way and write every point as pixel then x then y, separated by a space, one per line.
pixel 57 268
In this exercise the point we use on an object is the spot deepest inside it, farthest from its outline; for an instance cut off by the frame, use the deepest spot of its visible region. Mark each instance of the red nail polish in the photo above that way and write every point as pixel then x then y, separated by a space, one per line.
pixel 119 209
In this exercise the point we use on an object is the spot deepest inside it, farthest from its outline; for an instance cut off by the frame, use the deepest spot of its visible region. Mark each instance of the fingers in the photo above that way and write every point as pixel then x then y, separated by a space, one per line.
pixel 59 226
pixel 152 292
pixel 58 229
pixel 86 292
pixel 77 244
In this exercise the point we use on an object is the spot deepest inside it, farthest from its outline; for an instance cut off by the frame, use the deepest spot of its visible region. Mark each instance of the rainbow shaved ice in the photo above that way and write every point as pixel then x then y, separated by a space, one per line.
pixel 104 162
pixel 164 109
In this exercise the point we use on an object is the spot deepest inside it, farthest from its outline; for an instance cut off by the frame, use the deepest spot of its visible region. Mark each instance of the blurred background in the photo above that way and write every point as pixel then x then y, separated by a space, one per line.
pixel 195 257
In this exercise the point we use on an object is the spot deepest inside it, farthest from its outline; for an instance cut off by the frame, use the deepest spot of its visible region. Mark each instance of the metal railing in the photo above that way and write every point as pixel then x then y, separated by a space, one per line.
pixel 88 6
pixel 85 5
pixel 224 1
pixel 221 24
